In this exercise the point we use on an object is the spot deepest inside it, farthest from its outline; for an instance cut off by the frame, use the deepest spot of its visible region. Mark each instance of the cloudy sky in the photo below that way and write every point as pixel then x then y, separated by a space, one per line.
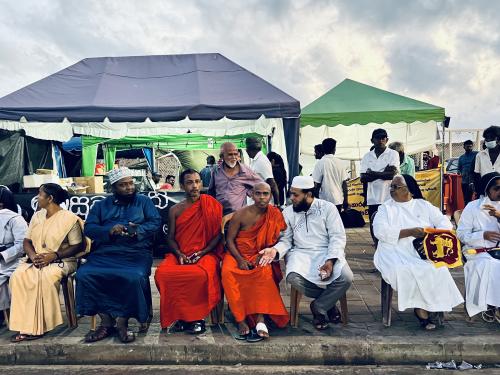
pixel 443 52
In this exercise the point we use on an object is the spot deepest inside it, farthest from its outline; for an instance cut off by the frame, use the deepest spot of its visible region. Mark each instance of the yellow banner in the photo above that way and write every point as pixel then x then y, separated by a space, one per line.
pixel 428 181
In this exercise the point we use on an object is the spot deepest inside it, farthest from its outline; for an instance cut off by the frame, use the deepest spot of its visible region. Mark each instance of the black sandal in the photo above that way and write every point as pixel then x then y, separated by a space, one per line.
pixel 125 335
pixel 319 320
pixel 196 328
pixel 334 315
pixel 99 334
pixel 424 323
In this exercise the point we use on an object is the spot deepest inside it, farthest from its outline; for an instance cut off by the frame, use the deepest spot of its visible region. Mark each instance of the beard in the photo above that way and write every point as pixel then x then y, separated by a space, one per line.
pixel 302 206
pixel 231 164
pixel 125 199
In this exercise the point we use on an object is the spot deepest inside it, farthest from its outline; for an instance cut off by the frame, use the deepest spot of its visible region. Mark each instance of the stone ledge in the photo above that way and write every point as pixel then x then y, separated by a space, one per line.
pixel 309 351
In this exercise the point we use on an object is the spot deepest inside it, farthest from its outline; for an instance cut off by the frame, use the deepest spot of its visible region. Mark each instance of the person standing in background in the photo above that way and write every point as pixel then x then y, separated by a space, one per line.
pixel 261 165
pixel 279 173
pixel 466 169
pixel 206 173
pixel 330 177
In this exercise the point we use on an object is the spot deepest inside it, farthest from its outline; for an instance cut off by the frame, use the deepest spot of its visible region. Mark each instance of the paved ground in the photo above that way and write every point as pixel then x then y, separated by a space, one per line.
pixel 363 341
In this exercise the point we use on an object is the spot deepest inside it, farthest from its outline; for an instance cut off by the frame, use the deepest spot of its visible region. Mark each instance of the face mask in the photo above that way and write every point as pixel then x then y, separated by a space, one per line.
pixel 490 144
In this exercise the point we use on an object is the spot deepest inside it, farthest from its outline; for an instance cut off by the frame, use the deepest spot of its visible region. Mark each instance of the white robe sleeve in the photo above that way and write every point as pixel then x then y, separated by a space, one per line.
pixel 467 234
pixel 336 233
pixel 438 220
pixel 286 238
pixel 18 227
pixel 382 230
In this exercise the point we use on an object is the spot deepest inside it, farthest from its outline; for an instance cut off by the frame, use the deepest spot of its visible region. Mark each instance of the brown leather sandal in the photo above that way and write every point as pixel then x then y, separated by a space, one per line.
pixel 99 334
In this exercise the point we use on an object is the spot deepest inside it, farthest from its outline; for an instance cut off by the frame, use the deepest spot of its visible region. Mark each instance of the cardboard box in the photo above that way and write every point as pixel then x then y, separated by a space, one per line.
pixel 35 180
pixel 95 184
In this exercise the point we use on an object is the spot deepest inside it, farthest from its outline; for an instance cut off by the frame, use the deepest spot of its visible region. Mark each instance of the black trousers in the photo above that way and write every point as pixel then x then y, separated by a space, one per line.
pixel 467 192
pixel 371 210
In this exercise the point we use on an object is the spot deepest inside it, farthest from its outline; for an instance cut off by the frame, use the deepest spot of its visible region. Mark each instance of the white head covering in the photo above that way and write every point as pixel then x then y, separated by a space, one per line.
pixel 116 175
pixel 303 182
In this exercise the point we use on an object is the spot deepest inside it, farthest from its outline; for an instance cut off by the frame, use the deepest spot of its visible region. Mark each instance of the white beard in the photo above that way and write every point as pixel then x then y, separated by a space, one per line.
pixel 231 165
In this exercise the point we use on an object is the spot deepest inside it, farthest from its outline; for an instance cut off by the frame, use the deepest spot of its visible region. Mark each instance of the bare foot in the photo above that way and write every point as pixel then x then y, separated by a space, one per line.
pixel 243 328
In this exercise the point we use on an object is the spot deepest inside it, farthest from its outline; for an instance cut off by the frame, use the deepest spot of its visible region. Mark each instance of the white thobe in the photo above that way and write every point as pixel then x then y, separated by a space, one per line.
pixel 482 271
pixel 12 230
pixel 418 282
pixel 310 239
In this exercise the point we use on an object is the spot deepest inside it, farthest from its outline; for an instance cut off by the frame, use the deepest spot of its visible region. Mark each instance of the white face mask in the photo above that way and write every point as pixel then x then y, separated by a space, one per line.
pixel 490 144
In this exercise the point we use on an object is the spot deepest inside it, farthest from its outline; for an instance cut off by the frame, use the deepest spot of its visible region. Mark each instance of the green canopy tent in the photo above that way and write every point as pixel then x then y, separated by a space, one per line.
pixel 350 111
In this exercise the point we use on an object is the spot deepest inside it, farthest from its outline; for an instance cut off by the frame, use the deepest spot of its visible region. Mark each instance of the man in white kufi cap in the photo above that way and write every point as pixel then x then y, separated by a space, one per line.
pixel 313 247
pixel 114 282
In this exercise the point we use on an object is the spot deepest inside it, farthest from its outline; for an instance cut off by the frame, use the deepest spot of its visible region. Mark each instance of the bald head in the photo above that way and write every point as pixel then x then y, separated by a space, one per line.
pixel 226 146
pixel 262 186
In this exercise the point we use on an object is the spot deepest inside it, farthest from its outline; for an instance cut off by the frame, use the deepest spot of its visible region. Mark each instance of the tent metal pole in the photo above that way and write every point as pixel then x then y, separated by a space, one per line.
pixel 441 170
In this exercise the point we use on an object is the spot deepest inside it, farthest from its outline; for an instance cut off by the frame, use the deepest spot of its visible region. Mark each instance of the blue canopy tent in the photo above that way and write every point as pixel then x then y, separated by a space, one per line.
pixel 182 95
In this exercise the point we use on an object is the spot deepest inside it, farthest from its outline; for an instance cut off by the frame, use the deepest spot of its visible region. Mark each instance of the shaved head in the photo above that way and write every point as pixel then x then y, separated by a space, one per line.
pixel 262 186
pixel 261 194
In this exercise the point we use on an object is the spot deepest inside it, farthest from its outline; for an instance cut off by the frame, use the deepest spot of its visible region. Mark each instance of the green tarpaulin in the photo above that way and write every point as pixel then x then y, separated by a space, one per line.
pixel 163 142
pixel 351 102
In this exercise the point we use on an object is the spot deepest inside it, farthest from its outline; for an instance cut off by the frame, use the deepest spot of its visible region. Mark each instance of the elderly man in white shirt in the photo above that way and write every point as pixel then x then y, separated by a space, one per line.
pixel 313 247
pixel 378 167
pixel 260 164
pixel 330 176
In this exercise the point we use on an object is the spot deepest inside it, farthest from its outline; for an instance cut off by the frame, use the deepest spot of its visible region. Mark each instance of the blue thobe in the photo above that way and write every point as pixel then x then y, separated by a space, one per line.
pixel 115 278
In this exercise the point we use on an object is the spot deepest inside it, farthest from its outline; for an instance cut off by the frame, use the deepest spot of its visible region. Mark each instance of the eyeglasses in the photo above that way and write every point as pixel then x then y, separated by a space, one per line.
pixel 396 187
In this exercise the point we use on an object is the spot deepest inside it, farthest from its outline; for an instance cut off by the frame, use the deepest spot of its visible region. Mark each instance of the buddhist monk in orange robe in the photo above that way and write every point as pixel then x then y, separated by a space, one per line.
pixel 189 278
pixel 252 290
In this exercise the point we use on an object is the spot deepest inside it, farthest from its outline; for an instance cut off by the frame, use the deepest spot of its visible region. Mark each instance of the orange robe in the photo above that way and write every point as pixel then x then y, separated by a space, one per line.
pixel 189 292
pixel 256 291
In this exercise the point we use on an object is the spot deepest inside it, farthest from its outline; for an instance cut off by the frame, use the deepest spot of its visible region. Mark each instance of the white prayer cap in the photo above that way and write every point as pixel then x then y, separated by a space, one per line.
pixel 303 182
pixel 116 175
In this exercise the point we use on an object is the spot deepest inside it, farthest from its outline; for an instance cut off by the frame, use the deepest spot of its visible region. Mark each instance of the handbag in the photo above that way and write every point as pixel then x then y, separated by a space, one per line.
pixel 352 218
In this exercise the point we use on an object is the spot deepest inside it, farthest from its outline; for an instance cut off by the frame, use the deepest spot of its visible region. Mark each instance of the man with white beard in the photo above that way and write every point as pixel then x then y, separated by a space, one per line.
pixel 232 181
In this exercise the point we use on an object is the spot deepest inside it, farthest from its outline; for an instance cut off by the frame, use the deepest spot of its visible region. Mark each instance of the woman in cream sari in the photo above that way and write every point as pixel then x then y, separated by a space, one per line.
pixel 53 239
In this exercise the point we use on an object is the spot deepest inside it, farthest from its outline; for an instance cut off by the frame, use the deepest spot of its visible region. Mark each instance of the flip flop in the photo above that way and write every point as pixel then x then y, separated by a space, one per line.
pixel 488 316
pixel 426 324
pixel 262 331
pixel 18 337
pixel 240 337
pixel 254 337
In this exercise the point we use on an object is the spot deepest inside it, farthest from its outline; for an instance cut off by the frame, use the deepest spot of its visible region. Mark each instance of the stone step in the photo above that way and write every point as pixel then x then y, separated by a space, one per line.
pixel 218 370
pixel 370 350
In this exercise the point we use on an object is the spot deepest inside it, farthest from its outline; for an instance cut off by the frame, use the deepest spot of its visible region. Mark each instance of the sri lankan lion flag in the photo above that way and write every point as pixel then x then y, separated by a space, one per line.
pixel 442 247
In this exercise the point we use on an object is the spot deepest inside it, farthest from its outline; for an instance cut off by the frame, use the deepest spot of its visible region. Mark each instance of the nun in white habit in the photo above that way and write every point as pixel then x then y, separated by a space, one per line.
pixel 479 227
pixel 398 222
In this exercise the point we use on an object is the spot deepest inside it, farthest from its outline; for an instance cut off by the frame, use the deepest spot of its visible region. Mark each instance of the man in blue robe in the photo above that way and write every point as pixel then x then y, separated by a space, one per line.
pixel 114 282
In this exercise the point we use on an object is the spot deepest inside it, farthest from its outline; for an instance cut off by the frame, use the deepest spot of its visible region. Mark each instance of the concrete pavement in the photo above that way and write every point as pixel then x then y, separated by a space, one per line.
pixel 364 341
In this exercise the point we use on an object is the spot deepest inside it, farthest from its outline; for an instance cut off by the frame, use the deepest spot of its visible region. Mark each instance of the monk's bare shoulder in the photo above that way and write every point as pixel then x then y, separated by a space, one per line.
pixel 178 208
